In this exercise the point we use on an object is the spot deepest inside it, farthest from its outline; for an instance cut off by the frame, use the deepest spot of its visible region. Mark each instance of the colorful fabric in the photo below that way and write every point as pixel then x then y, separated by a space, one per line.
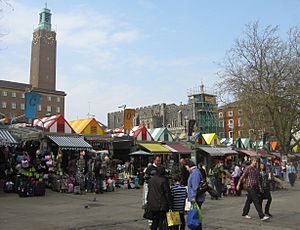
pixel 251 175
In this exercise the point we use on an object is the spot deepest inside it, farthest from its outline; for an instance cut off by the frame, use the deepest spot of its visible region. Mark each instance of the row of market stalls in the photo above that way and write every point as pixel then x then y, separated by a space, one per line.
pixel 87 134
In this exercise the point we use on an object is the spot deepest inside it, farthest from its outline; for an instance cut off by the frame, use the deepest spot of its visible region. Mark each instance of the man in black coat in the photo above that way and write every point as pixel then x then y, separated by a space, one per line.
pixel 152 169
pixel 159 198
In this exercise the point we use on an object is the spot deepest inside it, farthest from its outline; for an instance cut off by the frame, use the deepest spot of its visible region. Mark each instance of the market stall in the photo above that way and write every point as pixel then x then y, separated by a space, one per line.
pixel 161 134
pixel 87 126
pixel 139 133
pixel 54 124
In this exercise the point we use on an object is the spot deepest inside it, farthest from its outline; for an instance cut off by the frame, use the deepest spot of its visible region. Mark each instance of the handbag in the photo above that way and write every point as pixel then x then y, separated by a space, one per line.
pixel 194 217
pixel 203 188
pixel 173 218
pixel 148 214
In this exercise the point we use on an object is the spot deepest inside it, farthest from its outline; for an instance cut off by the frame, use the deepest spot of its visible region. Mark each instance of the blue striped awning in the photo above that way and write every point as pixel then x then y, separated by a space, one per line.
pixel 6 139
pixel 70 142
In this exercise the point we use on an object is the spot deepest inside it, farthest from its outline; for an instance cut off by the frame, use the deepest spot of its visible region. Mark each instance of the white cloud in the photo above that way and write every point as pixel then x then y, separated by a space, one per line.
pixel 128 36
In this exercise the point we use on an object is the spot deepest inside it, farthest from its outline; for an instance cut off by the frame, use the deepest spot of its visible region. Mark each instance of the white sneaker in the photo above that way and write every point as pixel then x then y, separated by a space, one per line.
pixel 247 217
pixel 265 218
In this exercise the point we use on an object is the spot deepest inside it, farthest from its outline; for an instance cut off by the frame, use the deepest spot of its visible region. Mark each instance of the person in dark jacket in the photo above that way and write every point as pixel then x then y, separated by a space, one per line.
pixel 184 173
pixel 265 178
pixel 99 176
pixel 152 168
pixel 159 198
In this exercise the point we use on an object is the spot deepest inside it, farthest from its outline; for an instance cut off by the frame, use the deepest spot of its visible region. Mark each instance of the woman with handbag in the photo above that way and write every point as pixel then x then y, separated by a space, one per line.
pixel 159 199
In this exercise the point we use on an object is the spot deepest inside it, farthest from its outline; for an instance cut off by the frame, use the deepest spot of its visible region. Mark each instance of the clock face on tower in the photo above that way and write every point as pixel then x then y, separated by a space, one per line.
pixel 35 39
pixel 49 38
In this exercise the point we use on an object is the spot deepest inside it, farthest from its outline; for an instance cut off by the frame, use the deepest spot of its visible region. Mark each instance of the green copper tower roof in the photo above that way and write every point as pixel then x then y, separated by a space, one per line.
pixel 45 19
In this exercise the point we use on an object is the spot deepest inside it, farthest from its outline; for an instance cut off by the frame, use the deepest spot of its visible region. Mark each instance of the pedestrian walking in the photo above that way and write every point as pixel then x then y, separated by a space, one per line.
pixel 236 174
pixel 159 198
pixel 194 182
pixel 251 177
pixel 99 176
pixel 291 172
pixel 179 194
pixel 266 179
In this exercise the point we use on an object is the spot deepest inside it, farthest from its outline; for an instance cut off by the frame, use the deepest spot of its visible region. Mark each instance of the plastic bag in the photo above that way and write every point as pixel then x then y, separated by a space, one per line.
pixel 194 217
pixel 173 218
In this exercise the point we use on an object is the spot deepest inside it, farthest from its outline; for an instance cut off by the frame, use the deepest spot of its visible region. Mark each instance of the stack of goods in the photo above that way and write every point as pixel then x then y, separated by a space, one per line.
pixel 29 183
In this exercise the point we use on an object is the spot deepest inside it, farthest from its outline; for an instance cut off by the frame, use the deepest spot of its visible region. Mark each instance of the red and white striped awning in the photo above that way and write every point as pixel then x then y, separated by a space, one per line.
pixel 54 124
pixel 138 132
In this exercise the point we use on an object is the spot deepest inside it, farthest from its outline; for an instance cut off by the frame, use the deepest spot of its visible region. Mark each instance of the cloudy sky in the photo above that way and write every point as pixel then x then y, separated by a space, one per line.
pixel 133 52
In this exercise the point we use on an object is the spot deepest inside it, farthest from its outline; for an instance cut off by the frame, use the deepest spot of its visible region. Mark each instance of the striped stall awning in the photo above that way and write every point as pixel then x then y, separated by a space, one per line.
pixel 70 142
pixel 6 139
pixel 154 148
pixel 248 152
pixel 218 151
pixel 178 148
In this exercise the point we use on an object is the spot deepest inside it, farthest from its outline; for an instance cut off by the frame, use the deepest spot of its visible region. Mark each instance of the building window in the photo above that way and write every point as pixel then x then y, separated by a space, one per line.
pixel 13 94
pixel 179 118
pixel 240 133
pixel 58 99
pixel 58 109
pixel 13 105
pixel 48 98
pixel 230 113
pixel 230 123
pixel 48 108
pixel 221 134
pixel 22 95
pixel 22 106
pixel 239 122
pixel 230 134
pixel 220 114
pixel 40 108
pixel 4 93
pixel 221 124
pixel 4 105
pixel 240 112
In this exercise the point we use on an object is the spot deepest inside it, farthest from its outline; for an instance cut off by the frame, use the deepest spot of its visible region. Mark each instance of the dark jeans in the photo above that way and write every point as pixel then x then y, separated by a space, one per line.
pixel 236 181
pixel 99 184
pixel 253 196
pixel 182 226
pixel 218 182
pixel 266 196
pixel 292 178
pixel 159 220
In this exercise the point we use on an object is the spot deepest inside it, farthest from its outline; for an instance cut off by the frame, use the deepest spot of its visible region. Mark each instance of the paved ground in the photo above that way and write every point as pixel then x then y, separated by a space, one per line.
pixel 122 210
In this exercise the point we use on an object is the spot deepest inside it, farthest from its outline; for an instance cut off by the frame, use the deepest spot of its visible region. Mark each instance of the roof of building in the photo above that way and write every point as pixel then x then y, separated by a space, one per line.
pixel 28 87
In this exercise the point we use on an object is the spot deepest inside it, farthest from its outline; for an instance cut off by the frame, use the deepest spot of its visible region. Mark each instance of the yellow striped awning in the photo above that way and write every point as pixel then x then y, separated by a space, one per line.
pixel 154 148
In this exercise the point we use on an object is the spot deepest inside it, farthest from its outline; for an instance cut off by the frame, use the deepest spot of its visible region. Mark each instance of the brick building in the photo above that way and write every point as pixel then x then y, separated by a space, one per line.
pixel 42 76
pixel 231 119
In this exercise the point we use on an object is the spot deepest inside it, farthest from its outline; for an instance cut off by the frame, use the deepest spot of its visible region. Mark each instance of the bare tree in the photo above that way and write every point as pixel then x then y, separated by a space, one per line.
pixel 262 72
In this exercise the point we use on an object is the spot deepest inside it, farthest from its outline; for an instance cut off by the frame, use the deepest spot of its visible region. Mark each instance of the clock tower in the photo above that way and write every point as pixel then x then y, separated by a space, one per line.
pixel 43 54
